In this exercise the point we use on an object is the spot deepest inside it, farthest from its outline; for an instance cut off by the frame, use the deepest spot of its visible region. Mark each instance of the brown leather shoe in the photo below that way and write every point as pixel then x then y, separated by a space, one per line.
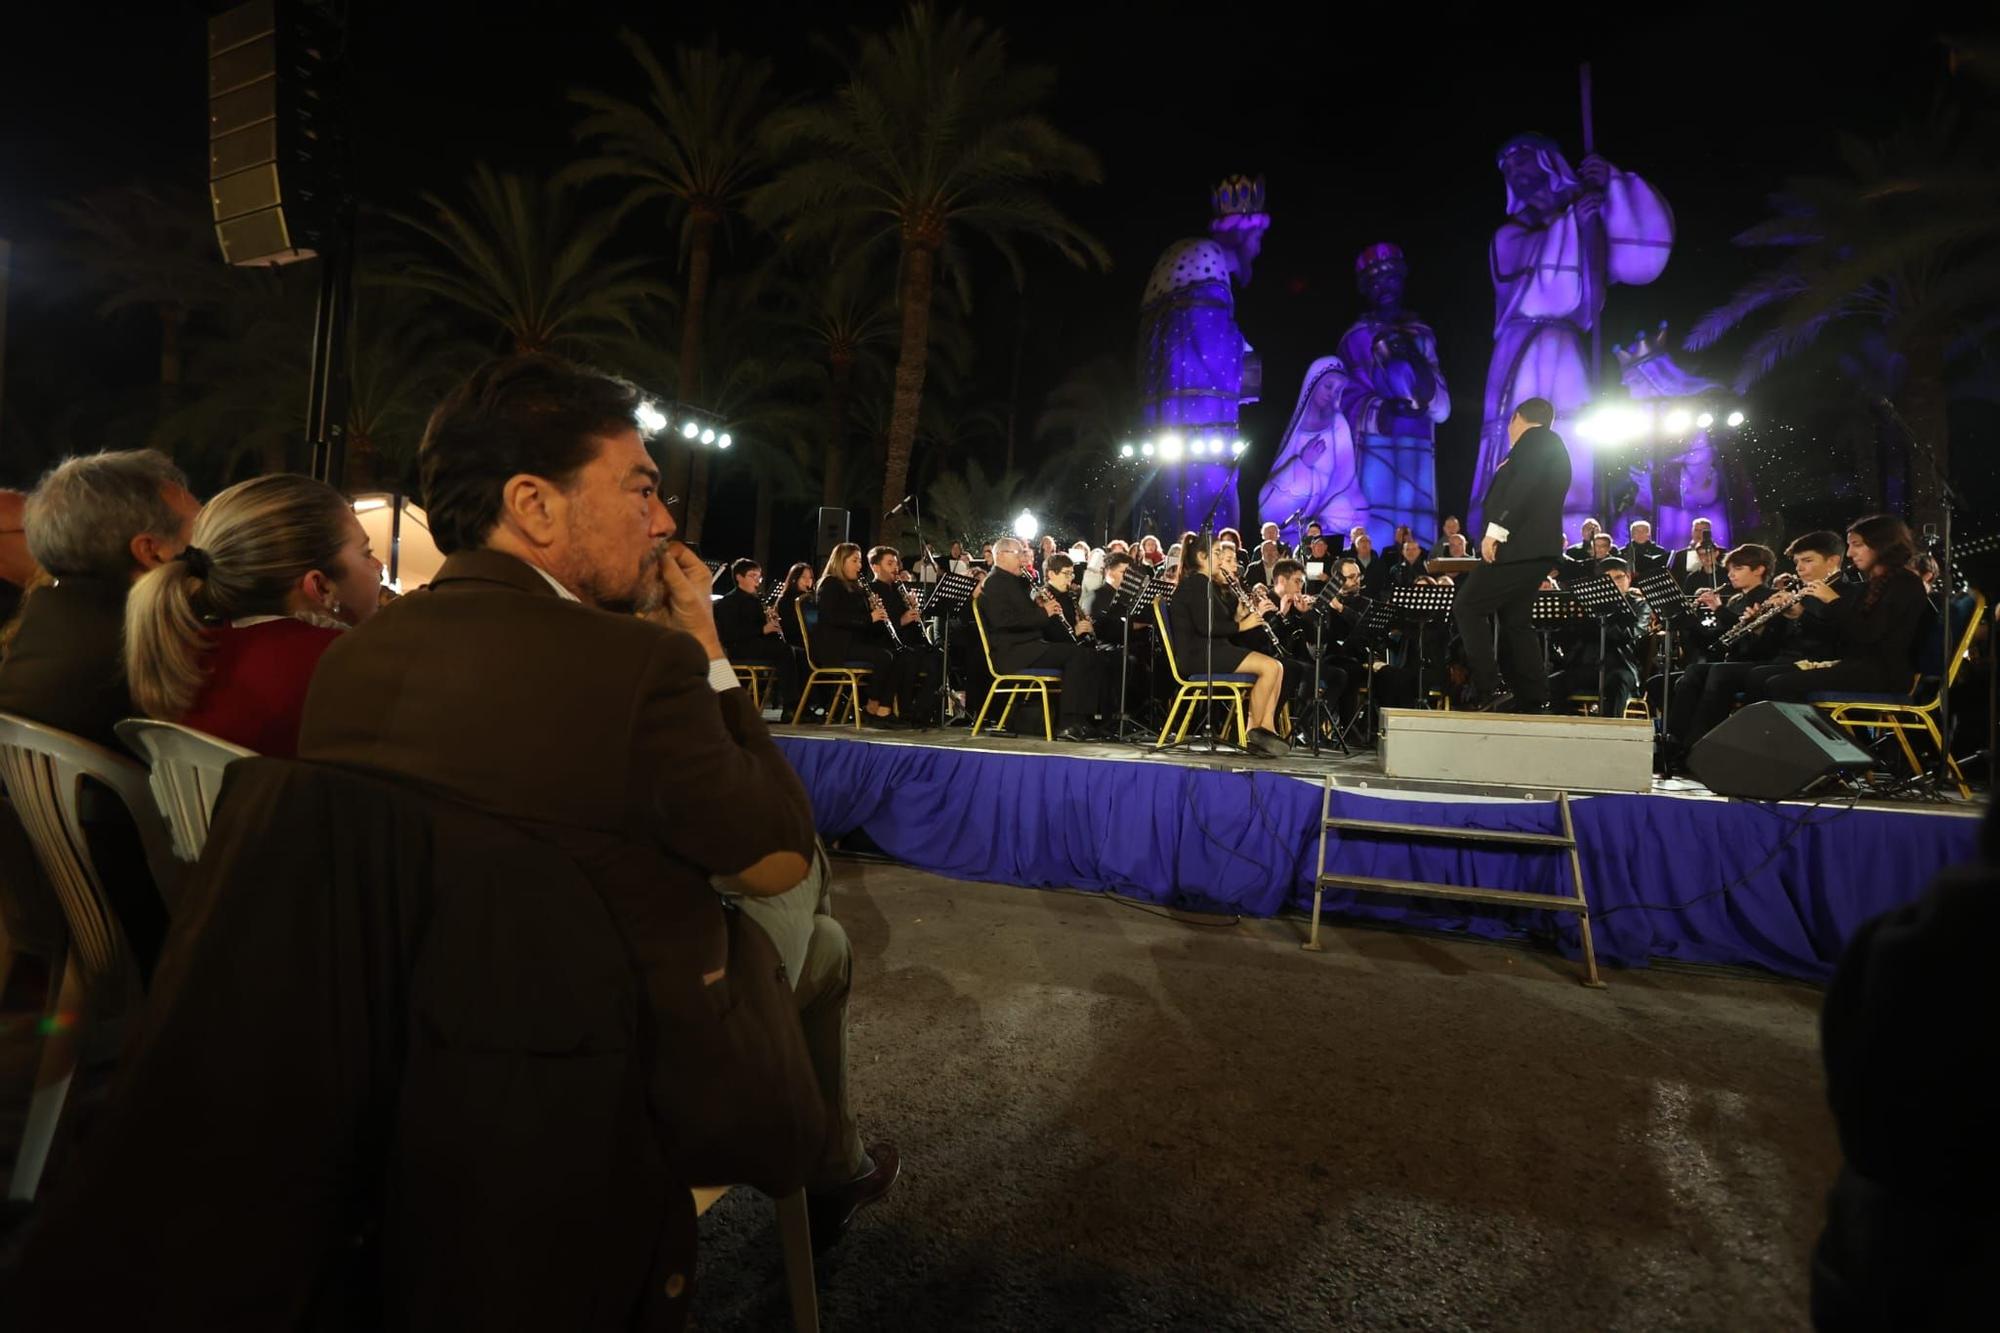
pixel 831 1211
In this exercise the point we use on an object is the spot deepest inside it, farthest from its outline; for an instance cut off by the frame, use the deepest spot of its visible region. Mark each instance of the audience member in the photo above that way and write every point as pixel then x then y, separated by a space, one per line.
pixel 520 684
pixel 17 567
pixel 95 523
pixel 225 636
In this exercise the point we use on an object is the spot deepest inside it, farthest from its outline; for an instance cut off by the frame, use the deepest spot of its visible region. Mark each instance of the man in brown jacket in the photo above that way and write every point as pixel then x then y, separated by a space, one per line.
pixel 519 684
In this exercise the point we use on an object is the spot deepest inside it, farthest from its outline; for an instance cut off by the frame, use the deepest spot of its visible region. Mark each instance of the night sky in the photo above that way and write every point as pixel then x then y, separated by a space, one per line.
pixel 1369 125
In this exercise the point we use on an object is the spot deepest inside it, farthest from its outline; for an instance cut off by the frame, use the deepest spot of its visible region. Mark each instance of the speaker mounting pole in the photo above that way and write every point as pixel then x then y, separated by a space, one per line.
pixel 326 389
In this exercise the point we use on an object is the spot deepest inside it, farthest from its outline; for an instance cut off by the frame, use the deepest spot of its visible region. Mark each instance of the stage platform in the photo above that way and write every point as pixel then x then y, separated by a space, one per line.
pixel 1677 873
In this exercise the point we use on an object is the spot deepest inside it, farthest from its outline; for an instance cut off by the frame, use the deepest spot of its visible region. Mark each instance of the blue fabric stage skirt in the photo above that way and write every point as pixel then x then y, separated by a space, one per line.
pixel 1706 881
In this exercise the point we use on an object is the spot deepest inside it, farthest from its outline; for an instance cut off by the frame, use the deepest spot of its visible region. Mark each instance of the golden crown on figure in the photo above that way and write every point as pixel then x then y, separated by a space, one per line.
pixel 1239 196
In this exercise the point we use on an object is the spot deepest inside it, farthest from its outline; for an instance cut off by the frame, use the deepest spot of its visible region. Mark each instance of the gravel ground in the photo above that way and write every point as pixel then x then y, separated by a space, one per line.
pixel 1114 1120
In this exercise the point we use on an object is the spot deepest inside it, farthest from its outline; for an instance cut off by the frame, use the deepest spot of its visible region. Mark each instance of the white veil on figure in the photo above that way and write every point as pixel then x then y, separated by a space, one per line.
pixel 1315 470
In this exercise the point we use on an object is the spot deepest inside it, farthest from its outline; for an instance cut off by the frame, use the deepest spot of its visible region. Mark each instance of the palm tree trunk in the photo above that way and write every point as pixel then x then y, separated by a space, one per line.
pixel 834 481
pixel 172 319
pixel 1923 407
pixel 911 360
pixel 687 465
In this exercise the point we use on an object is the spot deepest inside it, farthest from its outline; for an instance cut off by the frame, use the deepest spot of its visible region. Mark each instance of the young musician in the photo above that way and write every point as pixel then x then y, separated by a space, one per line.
pixel 1707 690
pixel 1097 603
pixel 852 630
pixel 1022 634
pixel 1876 621
pixel 1203 616
pixel 1304 627
pixel 754 637
pixel 1060 583
pixel 1624 632
pixel 900 599
pixel 798 591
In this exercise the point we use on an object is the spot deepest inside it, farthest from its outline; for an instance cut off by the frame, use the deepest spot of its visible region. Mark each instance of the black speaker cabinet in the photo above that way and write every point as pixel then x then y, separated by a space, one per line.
pixel 274 146
pixel 832 532
pixel 1773 751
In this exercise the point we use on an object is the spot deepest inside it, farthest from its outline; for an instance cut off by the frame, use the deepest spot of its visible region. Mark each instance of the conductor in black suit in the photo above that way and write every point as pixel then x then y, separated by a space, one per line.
pixel 1523 538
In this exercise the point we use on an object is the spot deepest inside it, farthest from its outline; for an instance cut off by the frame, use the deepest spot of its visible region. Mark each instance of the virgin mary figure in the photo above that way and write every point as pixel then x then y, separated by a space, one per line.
pixel 1315 472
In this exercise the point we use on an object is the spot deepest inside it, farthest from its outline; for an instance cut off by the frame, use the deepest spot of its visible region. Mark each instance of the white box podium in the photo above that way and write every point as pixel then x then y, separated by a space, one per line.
pixel 1518 750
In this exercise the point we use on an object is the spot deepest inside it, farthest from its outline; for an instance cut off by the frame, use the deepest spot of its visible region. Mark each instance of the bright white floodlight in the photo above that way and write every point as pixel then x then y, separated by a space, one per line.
pixel 1170 447
pixel 1735 420
pixel 650 419
pixel 1678 421
pixel 689 430
pixel 723 441
pixel 1124 451
pixel 1705 420
pixel 1026 525
pixel 708 437
pixel 1237 447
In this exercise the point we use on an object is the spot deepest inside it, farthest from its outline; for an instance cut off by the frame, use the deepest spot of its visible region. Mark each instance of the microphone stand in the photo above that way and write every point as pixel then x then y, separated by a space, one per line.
pixel 944 622
pixel 1940 775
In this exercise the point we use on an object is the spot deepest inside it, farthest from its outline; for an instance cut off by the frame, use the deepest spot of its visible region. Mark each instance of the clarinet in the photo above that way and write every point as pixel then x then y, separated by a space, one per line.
pixel 1041 595
pixel 896 644
pixel 1750 624
pixel 1243 602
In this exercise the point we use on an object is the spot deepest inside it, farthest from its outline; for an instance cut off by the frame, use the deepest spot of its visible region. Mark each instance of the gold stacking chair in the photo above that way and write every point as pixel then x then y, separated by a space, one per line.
pixel 845 680
pixel 1900 713
pixel 1038 681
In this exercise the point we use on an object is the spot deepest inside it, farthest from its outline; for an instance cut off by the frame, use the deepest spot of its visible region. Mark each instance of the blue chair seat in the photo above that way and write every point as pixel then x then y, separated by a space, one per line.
pixel 857 666
pixel 1858 698
pixel 1224 678
pixel 1039 673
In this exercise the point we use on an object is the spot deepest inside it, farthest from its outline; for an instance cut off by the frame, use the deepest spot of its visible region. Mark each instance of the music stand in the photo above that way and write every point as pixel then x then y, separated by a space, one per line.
pixel 1319 711
pixel 1670 603
pixel 1126 601
pixel 946 599
pixel 1424 603
pixel 1599 597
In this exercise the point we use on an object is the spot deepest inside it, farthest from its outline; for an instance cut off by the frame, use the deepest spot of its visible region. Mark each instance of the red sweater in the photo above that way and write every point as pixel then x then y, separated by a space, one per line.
pixel 257 679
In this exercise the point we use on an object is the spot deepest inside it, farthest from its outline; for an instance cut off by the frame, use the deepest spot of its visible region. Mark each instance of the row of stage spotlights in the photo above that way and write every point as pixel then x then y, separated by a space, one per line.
pixel 652 421
pixel 1624 423
pixel 1171 448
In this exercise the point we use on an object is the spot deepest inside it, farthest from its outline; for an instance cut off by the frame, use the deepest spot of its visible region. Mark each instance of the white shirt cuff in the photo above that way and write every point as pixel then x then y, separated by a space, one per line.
pixel 722 676
pixel 1495 533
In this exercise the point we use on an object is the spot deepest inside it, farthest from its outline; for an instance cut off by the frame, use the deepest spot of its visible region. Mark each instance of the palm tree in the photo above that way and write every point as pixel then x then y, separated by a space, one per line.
pixel 933 136
pixel 1089 413
pixel 151 249
pixel 694 142
pixel 849 320
pixel 519 258
pixel 972 507
pixel 1906 244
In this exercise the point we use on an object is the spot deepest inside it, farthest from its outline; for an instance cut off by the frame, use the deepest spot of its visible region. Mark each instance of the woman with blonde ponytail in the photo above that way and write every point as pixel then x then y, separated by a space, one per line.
pixel 225 637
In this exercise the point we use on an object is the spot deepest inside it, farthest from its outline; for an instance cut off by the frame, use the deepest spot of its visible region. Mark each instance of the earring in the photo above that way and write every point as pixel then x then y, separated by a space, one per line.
pixel 333 607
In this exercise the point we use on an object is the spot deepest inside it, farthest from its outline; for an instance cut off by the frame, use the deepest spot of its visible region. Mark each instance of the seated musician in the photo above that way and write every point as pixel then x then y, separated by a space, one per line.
pixel 1203 616
pixel 1706 568
pixel 1409 567
pixel 901 601
pixel 1303 625
pixel 1707 690
pixel 1875 621
pixel 798 589
pixel 1060 581
pixel 1097 603
pixel 754 636
pixel 1022 633
pixel 1623 635
pixel 852 629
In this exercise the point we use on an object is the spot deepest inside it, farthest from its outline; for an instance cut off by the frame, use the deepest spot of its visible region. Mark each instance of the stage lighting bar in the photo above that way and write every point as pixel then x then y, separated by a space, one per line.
pixel 1621 422
pixel 676 420
pixel 1172 447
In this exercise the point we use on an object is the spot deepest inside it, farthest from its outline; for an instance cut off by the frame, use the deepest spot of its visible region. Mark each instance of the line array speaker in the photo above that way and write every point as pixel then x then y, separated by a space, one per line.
pixel 274 145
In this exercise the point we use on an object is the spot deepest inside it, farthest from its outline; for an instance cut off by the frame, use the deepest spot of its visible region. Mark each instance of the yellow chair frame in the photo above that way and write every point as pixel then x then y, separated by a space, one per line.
pixel 1193 692
pixel 1856 715
pixel 846 681
pixel 757 680
pixel 1013 687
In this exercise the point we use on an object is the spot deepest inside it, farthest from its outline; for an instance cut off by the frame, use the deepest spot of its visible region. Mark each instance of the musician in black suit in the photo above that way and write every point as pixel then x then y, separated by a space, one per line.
pixel 752 638
pixel 852 630
pixel 1022 634
pixel 1110 627
pixel 1644 556
pixel 1586 548
pixel 1523 539
pixel 900 602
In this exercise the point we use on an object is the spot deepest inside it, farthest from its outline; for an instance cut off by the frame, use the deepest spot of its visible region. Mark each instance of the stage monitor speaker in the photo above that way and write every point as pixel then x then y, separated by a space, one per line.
pixel 832 532
pixel 1773 751
pixel 274 146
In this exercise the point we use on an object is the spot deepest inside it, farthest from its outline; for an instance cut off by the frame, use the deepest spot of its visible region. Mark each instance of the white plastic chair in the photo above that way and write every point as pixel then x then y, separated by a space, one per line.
pixel 44 771
pixel 186 775
pixel 795 1233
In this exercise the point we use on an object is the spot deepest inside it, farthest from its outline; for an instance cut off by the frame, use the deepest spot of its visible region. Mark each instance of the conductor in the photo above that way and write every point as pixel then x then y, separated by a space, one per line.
pixel 1523 538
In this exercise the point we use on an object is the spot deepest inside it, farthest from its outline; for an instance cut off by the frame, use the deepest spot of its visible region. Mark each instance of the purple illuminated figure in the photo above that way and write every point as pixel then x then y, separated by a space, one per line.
pixel 1395 398
pixel 1696 476
pixel 1568 236
pixel 1316 474
pixel 1195 368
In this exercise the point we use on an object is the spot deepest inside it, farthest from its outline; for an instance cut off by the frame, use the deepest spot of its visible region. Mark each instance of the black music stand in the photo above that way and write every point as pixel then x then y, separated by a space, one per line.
pixel 1425 603
pixel 1599 597
pixel 1130 599
pixel 947 598
pixel 1669 603
pixel 1375 622
pixel 1319 711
